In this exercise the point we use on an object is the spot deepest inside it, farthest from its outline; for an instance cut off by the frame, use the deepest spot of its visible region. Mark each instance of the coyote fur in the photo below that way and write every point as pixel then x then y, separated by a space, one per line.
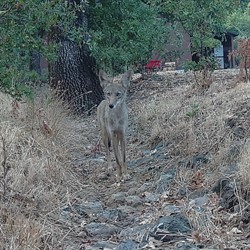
pixel 112 115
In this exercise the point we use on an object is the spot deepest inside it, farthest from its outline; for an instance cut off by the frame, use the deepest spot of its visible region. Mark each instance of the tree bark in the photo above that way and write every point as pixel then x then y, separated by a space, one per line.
pixel 35 59
pixel 74 74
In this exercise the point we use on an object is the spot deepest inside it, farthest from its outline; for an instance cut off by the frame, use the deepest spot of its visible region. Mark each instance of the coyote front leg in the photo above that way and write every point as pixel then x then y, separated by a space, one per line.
pixel 106 142
pixel 115 140
pixel 123 151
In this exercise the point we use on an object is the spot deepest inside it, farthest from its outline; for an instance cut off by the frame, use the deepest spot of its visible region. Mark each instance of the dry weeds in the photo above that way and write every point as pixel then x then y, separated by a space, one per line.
pixel 35 172
pixel 190 122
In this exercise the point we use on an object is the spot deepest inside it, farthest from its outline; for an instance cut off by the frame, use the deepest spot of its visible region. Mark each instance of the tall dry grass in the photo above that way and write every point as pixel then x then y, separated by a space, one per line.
pixel 35 142
pixel 244 165
pixel 194 123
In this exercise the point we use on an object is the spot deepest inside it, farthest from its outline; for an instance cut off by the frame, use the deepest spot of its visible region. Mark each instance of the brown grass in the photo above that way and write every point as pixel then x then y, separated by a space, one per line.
pixel 190 122
pixel 35 171
pixel 244 166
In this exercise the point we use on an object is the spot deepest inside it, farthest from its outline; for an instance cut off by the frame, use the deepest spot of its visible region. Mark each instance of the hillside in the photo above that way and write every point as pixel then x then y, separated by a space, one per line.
pixel 188 155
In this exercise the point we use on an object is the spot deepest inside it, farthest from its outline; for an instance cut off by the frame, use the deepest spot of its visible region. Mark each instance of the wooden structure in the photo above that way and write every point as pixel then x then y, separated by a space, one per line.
pixel 223 52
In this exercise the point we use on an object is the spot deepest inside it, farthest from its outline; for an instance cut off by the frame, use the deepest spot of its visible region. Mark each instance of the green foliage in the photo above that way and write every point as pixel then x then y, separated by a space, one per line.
pixel 194 110
pixel 240 21
pixel 10 82
pixel 202 70
pixel 202 19
pixel 124 33
pixel 23 30
pixel 205 63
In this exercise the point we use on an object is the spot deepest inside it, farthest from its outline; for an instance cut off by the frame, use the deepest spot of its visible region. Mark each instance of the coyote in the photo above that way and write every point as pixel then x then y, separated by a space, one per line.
pixel 112 115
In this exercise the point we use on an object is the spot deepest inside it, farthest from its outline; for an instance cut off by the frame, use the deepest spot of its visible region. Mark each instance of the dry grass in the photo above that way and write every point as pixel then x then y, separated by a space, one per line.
pixel 191 122
pixel 35 141
pixel 244 166
pixel 194 122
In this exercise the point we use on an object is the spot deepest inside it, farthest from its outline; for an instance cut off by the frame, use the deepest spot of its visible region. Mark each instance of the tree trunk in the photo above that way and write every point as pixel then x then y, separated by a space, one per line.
pixel 74 74
pixel 35 59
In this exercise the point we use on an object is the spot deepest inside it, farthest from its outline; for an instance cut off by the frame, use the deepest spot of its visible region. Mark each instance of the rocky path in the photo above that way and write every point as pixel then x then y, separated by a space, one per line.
pixel 136 214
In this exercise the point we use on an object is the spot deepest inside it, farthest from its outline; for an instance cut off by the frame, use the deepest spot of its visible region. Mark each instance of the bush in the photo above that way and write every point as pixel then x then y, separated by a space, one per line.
pixel 203 70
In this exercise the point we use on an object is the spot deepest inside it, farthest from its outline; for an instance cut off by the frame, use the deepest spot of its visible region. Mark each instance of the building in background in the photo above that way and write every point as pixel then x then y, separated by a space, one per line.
pixel 180 51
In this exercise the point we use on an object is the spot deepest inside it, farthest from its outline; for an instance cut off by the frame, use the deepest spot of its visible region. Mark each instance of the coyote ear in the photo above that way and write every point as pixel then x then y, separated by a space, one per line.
pixel 103 77
pixel 126 78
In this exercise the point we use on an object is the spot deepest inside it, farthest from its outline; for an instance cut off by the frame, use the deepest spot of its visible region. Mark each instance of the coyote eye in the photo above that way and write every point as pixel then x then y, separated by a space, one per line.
pixel 118 94
pixel 108 93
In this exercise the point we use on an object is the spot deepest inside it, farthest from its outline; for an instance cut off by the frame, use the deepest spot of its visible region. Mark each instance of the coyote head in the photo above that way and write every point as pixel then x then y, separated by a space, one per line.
pixel 115 91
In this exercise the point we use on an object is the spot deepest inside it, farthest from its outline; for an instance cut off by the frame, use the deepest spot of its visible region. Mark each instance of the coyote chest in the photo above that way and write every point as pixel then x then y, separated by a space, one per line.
pixel 116 119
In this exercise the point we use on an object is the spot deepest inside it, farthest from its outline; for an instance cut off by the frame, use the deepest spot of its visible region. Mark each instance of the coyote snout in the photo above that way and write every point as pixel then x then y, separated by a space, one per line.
pixel 112 115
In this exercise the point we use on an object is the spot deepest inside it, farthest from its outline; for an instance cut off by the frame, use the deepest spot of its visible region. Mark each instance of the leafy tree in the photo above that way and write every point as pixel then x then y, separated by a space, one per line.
pixel 119 34
pixel 116 34
pixel 202 19
pixel 73 73
pixel 125 32
pixel 240 20
pixel 24 25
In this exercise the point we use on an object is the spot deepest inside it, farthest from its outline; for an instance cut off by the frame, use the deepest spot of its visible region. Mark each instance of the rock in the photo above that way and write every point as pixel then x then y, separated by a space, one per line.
pixel 165 180
pixel 150 197
pixel 183 191
pixel 200 201
pixel 231 122
pixel 104 245
pixel 127 214
pixel 119 198
pixel 66 213
pixel 89 208
pixel 171 209
pixel 77 212
pixel 139 162
pixel 137 232
pixel 197 193
pixel 186 246
pixel 134 200
pixel 246 216
pixel 103 176
pixel 172 223
pixel 132 191
pixel 226 190
pixel 127 245
pixel 199 159
pixel 111 214
pixel 239 132
pixel 101 229
pixel 234 152
pixel 219 186
pixel 145 187
pixel 196 160
pixel 126 209
pixel 157 153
